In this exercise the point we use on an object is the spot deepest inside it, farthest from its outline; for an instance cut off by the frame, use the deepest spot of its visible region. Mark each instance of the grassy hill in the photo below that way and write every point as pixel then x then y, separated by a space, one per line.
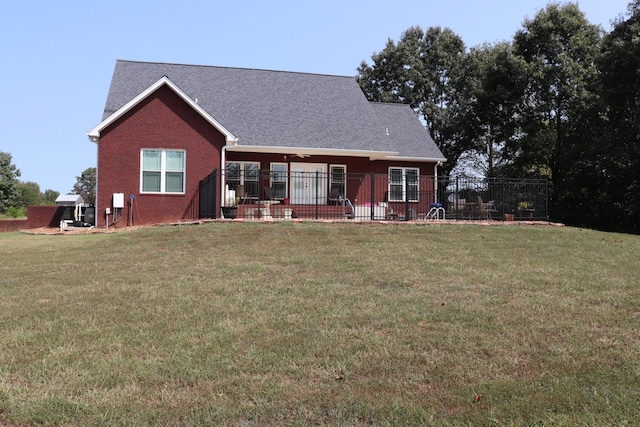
pixel 329 324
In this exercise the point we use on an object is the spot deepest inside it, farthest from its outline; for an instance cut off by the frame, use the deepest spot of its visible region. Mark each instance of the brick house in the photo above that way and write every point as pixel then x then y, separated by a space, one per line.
pixel 168 126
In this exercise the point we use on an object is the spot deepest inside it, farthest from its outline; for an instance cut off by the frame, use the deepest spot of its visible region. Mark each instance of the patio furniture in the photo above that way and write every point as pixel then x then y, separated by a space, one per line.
pixel 363 212
pixel 458 206
pixel 242 194
pixel 268 193
pixel 334 197
pixel 265 208
pixel 486 209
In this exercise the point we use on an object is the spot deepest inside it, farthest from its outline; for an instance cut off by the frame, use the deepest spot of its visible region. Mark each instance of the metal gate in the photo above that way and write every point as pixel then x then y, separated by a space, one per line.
pixel 209 196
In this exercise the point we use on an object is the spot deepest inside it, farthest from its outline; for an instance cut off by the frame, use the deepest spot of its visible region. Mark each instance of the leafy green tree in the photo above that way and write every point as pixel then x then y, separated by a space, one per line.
pixel 559 48
pixel 29 194
pixel 490 97
pixel 8 182
pixel 418 70
pixel 86 185
pixel 50 196
pixel 617 170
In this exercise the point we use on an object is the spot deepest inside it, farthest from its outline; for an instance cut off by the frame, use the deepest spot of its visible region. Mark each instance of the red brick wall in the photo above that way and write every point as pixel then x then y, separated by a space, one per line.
pixel 37 216
pixel 162 121
pixel 354 164
pixel 44 216
pixel 12 225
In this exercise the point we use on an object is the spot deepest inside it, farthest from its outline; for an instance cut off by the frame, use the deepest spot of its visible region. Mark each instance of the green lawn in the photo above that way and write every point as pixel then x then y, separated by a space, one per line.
pixel 323 324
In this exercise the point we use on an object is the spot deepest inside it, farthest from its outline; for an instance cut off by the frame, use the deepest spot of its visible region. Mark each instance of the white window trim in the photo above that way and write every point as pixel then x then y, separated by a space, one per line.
pixel 163 170
pixel 404 183
pixel 242 172
pixel 242 164
pixel 248 192
pixel 286 176
pixel 345 176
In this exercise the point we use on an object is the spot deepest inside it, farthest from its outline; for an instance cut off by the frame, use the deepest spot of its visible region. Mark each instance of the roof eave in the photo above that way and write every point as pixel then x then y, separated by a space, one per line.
pixel 418 159
pixel 309 151
pixel 94 134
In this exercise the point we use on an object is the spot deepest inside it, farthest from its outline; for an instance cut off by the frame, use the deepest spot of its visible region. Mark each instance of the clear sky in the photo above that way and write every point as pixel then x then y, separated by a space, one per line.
pixel 57 57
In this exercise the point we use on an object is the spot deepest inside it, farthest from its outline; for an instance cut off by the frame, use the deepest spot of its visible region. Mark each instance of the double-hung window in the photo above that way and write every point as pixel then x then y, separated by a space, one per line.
pixel 403 184
pixel 245 174
pixel 338 181
pixel 162 171
pixel 278 180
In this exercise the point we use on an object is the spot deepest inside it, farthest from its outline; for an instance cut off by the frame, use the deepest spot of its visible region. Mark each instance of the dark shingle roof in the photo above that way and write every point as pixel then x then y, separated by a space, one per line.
pixel 284 109
pixel 405 130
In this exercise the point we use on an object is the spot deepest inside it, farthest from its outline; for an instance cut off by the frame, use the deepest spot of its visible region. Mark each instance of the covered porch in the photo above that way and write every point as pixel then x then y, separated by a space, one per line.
pixel 400 195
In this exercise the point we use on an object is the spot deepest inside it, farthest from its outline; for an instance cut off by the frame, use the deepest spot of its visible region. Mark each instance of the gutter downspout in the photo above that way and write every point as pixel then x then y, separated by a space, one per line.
pixel 96 220
pixel 223 164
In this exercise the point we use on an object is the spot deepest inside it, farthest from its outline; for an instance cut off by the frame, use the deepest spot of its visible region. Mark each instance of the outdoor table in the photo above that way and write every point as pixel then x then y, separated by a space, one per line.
pixel 265 208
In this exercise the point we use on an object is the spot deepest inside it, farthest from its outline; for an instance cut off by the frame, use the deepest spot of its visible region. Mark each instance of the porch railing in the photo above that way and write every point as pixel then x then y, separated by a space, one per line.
pixel 371 196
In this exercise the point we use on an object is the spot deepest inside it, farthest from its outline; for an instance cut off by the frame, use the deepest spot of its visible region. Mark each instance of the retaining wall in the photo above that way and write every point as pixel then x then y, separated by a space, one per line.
pixel 37 216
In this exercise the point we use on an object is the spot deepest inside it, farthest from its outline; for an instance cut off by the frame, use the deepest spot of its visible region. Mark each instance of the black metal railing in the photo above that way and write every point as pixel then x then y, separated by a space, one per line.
pixel 496 198
pixel 371 196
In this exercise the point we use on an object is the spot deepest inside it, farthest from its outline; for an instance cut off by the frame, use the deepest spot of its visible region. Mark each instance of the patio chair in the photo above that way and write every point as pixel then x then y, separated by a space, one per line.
pixel 268 193
pixel 457 206
pixel 334 196
pixel 242 194
pixel 486 209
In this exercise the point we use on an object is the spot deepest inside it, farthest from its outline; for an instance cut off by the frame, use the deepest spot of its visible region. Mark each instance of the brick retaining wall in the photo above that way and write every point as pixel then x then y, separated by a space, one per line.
pixel 44 216
pixel 37 216
pixel 13 225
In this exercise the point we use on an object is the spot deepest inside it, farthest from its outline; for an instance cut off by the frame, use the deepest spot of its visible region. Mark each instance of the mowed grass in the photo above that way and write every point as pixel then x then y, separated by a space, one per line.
pixel 322 324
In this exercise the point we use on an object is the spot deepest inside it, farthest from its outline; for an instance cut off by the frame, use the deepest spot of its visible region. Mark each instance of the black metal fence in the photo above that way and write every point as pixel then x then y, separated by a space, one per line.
pixel 401 194
pixel 495 198
pixel 208 195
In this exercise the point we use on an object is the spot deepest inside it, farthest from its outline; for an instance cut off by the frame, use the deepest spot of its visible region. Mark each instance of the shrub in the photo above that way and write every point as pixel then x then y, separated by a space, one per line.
pixel 17 212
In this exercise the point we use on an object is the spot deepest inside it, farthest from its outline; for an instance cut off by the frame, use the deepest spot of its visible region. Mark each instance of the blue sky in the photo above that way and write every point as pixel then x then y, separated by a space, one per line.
pixel 57 57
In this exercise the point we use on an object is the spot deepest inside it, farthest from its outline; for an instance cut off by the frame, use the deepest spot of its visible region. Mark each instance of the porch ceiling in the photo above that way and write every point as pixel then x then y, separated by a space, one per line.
pixel 307 151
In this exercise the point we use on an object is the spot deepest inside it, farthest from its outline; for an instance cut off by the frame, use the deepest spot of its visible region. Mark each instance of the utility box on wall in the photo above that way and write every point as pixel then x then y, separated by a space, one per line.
pixel 118 200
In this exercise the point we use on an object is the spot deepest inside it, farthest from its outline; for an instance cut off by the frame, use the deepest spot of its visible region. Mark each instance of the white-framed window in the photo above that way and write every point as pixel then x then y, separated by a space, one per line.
pixel 278 180
pixel 403 184
pixel 245 174
pixel 162 171
pixel 337 181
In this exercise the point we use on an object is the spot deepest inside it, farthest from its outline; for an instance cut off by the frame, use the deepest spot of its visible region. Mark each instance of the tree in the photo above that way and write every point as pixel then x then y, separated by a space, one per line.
pixel 617 172
pixel 418 71
pixel 29 194
pixel 8 182
pixel 50 196
pixel 489 104
pixel 559 48
pixel 86 185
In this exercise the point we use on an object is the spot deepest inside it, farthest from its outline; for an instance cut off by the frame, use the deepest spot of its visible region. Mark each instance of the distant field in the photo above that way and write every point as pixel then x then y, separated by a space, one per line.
pixel 321 324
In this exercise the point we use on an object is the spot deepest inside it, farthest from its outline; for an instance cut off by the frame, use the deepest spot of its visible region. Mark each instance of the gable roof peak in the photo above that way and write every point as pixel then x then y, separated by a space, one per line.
pixel 94 134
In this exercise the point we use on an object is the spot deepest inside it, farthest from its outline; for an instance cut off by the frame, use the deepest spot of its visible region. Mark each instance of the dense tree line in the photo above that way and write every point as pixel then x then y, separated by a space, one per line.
pixel 559 101
pixel 16 196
